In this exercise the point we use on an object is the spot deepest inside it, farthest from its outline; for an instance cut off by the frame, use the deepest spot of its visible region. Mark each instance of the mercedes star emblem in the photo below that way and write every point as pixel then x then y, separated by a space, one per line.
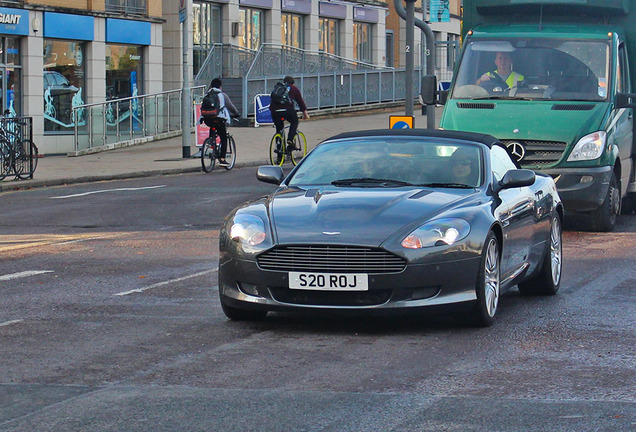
pixel 516 150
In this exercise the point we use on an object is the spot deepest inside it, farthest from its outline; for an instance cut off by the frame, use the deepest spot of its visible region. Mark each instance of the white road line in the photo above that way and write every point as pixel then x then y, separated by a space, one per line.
pixel 6 323
pixel 107 190
pixel 23 274
pixel 140 290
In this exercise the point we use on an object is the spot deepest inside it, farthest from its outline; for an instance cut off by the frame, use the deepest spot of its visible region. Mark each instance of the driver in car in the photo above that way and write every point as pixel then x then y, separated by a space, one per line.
pixel 503 75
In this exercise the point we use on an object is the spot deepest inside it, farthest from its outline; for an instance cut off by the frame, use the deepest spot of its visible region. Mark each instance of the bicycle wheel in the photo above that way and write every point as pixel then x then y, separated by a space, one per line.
pixel 208 154
pixel 6 159
pixel 300 148
pixel 230 154
pixel 25 160
pixel 277 150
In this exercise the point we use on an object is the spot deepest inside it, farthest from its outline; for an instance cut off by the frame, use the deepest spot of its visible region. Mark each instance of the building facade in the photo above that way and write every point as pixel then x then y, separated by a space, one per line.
pixel 58 54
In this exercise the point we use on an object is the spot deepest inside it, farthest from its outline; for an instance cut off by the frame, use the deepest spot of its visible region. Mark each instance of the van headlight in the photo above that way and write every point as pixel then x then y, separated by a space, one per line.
pixel 441 232
pixel 589 147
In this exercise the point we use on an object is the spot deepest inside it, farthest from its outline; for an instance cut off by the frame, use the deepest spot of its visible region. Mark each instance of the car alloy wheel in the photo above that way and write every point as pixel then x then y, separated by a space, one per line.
pixel 491 277
pixel 556 251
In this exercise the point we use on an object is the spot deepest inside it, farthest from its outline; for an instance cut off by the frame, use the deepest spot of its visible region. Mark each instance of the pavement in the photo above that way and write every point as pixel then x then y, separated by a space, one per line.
pixel 162 157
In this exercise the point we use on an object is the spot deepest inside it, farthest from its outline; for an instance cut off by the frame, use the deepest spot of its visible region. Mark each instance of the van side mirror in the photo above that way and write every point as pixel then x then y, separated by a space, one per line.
pixel 443 97
pixel 625 100
pixel 428 90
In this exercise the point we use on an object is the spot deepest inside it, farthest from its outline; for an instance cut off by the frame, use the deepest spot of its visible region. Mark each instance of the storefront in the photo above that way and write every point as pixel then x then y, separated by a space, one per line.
pixel 331 15
pixel 294 14
pixel 207 29
pixel 363 20
pixel 14 24
pixel 252 21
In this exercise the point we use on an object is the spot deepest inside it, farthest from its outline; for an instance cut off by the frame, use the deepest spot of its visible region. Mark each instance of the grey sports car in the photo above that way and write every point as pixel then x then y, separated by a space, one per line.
pixel 393 220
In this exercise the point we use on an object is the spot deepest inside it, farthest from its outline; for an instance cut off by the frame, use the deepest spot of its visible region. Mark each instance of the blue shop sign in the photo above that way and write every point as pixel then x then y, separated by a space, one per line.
pixel 14 21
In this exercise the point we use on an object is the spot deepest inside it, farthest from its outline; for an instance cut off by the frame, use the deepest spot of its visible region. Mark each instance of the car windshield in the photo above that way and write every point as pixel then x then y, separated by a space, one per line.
pixel 534 69
pixel 391 162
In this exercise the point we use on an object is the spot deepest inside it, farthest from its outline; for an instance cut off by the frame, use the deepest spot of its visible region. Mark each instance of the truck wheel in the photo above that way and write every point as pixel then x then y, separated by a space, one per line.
pixel 604 217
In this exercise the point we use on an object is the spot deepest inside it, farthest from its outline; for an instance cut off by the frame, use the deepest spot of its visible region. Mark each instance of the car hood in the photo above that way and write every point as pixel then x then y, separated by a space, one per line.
pixel 354 215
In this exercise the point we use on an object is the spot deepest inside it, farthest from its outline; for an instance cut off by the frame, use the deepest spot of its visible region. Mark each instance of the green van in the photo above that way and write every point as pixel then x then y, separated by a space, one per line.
pixel 551 79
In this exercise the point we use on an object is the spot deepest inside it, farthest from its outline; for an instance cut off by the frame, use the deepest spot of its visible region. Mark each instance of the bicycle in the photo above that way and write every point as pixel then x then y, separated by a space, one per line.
pixel 278 148
pixel 17 156
pixel 211 151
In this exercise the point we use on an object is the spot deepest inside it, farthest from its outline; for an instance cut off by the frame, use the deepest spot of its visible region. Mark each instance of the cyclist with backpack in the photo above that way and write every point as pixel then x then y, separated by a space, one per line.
pixel 282 108
pixel 216 111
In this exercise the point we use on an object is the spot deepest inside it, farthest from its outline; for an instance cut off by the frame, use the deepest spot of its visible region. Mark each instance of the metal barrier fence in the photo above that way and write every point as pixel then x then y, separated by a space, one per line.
pixel 225 60
pixel 18 152
pixel 104 124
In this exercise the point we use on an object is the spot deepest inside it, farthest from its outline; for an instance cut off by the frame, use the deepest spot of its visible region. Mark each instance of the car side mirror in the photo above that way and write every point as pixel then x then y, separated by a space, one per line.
pixel 270 174
pixel 517 178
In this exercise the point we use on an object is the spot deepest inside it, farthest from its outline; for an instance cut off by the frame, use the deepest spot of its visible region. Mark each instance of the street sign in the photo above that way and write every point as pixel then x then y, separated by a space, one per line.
pixel 401 122
pixel 183 13
pixel 439 11
pixel 262 113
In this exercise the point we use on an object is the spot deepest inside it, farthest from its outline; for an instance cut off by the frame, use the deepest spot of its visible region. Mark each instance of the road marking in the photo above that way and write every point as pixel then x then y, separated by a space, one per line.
pixel 10 243
pixel 6 323
pixel 107 190
pixel 140 290
pixel 24 274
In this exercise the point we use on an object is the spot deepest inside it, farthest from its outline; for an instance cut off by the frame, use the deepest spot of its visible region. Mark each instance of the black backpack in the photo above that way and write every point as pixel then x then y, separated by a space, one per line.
pixel 280 94
pixel 211 106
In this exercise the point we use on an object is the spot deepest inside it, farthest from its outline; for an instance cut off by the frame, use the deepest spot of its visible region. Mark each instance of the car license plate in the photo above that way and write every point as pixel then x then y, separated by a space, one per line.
pixel 329 281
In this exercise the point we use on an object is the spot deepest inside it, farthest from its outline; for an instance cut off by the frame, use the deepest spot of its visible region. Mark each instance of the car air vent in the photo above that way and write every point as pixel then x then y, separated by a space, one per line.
pixel 475 105
pixel 573 107
pixel 330 258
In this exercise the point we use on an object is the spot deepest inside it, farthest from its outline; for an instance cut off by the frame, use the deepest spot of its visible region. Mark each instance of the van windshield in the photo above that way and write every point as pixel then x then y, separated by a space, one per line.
pixel 534 69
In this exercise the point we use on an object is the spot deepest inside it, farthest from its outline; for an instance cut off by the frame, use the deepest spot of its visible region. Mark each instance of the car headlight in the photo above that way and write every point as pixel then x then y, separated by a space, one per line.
pixel 589 147
pixel 441 232
pixel 248 228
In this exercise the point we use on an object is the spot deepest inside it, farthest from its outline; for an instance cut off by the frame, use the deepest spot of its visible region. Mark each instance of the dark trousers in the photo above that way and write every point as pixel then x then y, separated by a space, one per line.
pixel 279 117
pixel 221 131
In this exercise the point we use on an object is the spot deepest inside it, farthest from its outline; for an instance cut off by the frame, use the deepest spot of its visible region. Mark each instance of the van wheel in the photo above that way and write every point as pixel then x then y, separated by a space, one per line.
pixel 604 217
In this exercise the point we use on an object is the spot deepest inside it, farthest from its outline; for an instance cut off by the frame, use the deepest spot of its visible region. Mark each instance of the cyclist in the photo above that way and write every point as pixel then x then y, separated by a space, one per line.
pixel 226 113
pixel 286 111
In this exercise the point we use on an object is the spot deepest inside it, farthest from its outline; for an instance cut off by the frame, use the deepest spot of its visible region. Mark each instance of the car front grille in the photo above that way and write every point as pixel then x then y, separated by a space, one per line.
pixel 539 153
pixel 321 298
pixel 328 258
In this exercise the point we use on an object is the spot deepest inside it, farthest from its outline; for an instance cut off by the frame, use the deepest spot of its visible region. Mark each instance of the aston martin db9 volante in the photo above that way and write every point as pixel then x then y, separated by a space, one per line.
pixel 393 220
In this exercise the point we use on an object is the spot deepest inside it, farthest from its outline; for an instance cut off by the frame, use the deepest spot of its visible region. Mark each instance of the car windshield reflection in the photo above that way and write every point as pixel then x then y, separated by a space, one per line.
pixel 391 162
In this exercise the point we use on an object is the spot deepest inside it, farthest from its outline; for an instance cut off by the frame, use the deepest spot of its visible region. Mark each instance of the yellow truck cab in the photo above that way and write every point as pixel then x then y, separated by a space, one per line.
pixel 551 79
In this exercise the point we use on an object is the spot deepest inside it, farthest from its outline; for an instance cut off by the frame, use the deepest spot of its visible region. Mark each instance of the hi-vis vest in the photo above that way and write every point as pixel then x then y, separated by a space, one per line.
pixel 512 80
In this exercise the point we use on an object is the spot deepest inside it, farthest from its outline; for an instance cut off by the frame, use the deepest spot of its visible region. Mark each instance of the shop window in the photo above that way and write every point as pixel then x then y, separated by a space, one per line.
pixel 123 71
pixel 206 26
pixel 64 84
pixel 291 30
pixel 253 25
pixel 10 76
pixel 329 36
pixel 362 42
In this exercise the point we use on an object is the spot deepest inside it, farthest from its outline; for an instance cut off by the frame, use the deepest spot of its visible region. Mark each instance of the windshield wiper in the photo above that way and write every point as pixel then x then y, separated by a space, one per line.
pixel 370 181
pixel 448 185
pixel 494 97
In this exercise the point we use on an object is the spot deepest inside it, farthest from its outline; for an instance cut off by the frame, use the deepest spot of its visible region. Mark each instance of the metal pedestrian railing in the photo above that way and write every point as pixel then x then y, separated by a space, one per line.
pixel 118 122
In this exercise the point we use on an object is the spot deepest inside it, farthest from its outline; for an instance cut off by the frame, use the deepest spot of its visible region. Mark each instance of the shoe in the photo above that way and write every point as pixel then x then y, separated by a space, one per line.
pixel 291 146
pixel 224 163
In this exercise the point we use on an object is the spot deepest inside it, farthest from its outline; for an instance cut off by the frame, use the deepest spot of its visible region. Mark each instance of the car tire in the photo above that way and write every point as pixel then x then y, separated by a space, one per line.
pixel 548 280
pixel 629 204
pixel 239 314
pixel 603 219
pixel 488 283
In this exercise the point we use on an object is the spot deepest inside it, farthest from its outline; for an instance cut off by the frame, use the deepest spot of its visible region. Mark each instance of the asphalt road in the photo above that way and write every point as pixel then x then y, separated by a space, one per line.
pixel 110 321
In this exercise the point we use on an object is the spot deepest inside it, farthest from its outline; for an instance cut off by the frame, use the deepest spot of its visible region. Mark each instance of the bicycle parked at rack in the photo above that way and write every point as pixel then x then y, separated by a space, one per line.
pixel 18 154
pixel 211 151
pixel 278 151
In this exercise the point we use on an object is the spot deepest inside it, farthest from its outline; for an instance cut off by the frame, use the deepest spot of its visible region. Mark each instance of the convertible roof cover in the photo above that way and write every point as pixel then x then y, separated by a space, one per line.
pixel 487 140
